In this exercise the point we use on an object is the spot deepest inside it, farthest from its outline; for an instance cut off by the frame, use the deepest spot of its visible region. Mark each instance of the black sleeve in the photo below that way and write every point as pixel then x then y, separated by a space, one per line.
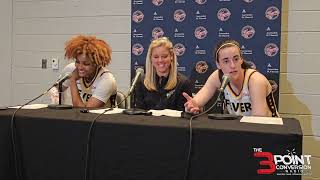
pixel 139 94
pixel 185 86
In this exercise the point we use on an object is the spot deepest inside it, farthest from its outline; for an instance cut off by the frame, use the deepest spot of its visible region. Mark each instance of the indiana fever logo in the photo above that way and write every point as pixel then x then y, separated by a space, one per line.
pixel 201 67
pixel 223 14
pixel 179 15
pixel 157 32
pixel 201 2
pixel 247 32
pixel 271 49
pixel 272 13
pixel 200 32
pixel 137 49
pixel 248 1
pixel 137 16
pixel 179 49
pixel 157 2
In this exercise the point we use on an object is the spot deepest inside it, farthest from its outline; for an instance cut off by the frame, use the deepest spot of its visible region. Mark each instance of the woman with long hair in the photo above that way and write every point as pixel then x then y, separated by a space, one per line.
pixel 162 85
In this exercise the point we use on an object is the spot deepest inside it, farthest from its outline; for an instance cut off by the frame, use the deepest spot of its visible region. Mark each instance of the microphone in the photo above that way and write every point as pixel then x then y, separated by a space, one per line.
pixel 139 72
pixel 63 78
pixel 134 111
pixel 59 84
pixel 225 81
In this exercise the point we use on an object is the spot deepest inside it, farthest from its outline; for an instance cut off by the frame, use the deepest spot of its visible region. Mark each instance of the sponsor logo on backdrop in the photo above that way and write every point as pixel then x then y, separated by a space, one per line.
pixel 200 32
pixel 270 33
pixel 181 68
pixel 200 51
pixel 200 16
pixel 157 32
pixel 157 17
pixel 137 2
pixel 179 1
pixel 272 70
pixel 178 34
pixel 179 49
pixel 201 67
pixel 201 2
pixel 223 14
pixel 223 34
pixel 246 15
pixel 246 51
pixel 137 49
pixel 288 163
pixel 271 49
pixel 248 32
pixel 137 16
pixel 157 2
pixel 136 34
pixel 179 15
pixel 248 1
pixel 272 13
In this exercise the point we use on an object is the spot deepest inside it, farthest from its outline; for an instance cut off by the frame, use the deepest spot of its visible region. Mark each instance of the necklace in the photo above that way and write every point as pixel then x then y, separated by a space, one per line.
pixel 88 81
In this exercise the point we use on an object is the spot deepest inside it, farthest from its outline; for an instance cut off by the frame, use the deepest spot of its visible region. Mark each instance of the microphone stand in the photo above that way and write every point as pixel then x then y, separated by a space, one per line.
pixel 134 110
pixel 59 106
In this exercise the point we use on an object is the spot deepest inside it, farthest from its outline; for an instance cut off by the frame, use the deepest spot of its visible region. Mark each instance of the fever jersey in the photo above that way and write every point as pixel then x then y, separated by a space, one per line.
pixel 102 87
pixel 240 104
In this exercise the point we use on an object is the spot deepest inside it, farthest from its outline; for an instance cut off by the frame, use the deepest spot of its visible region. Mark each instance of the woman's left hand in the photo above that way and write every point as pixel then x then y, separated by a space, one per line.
pixel 75 75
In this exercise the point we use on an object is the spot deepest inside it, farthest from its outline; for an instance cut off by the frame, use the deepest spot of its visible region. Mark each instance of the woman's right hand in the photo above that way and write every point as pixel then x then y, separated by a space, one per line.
pixel 191 106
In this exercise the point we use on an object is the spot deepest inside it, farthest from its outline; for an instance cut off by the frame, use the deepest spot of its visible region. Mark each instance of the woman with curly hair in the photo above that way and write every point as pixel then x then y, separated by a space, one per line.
pixel 91 84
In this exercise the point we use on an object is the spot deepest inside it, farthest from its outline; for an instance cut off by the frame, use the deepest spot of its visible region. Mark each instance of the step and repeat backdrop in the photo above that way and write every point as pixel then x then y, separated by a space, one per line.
pixel 195 26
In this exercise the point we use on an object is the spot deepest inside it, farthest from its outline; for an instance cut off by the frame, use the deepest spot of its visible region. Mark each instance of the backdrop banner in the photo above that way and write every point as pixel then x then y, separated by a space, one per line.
pixel 195 26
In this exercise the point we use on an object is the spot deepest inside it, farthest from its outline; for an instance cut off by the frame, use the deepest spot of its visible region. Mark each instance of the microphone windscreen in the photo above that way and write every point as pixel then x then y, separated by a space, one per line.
pixel 225 81
pixel 65 75
pixel 68 74
pixel 226 77
pixel 139 70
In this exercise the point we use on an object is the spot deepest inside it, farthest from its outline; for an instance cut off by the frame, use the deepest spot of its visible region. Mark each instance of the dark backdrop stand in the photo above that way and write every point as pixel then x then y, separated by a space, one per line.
pixel 59 106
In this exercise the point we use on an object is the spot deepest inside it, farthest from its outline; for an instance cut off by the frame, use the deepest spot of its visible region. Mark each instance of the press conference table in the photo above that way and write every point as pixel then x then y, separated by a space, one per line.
pixel 53 144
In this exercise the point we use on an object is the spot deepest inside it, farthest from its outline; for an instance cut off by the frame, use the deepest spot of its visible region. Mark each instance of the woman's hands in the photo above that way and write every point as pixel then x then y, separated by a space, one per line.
pixel 190 106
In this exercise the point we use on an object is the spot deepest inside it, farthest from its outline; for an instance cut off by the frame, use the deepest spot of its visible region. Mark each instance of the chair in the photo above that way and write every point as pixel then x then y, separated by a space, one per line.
pixel 120 98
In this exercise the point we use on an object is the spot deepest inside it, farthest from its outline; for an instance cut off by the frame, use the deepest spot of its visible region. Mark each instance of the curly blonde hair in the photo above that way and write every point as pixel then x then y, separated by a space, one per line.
pixel 97 50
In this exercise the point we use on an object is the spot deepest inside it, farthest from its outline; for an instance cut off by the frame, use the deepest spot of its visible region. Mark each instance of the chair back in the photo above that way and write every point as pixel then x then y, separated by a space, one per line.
pixel 120 98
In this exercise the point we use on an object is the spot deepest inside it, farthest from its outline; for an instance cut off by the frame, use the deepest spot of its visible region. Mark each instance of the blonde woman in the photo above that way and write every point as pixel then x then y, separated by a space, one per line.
pixel 162 86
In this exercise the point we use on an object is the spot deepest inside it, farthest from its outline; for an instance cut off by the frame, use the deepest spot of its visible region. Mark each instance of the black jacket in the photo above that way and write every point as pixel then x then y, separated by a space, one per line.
pixel 162 99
